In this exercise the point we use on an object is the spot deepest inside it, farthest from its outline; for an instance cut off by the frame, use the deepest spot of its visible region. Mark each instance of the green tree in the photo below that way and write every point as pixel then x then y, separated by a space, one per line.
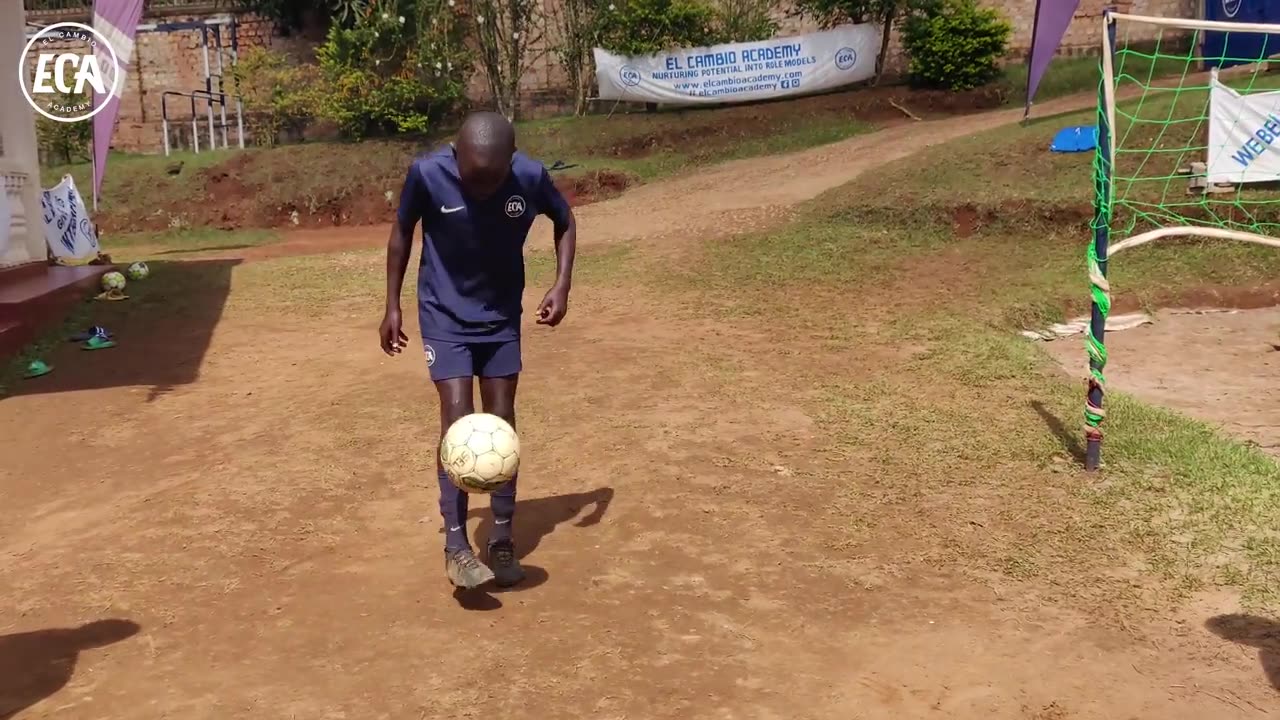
pixel 401 65
pixel 642 27
pixel 829 13
pixel 509 36
pixel 578 25
pixel 64 142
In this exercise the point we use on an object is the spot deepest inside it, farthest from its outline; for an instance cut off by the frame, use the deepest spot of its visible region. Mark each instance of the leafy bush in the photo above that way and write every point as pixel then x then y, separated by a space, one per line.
pixel 278 95
pixel 955 45
pixel 63 142
pixel 641 27
pixel 745 20
pixel 391 72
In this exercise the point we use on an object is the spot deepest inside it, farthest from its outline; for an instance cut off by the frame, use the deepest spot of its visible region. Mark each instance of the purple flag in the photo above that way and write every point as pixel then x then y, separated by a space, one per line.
pixel 1052 19
pixel 117 21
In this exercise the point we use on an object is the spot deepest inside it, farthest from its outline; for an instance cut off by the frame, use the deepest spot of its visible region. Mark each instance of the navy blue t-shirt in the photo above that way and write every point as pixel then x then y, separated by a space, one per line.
pixel 471 277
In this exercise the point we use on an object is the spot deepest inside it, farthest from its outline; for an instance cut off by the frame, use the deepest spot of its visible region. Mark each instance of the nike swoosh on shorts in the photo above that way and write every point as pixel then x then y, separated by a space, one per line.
pixel 447 210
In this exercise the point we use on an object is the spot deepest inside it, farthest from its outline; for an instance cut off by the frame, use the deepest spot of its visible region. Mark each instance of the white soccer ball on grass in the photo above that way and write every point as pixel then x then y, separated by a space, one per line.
pixel 480 453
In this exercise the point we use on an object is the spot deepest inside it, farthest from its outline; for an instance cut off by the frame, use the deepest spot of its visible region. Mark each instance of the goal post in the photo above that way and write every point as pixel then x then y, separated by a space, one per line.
pixel 1183 151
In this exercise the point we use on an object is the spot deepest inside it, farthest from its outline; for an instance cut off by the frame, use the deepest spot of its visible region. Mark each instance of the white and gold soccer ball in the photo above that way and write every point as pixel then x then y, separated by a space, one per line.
pixel 113 281
pixel 138 271
pixel 480 452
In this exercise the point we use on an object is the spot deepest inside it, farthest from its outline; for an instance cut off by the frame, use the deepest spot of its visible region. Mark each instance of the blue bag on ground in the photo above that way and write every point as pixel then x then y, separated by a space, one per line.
pixel 1081 138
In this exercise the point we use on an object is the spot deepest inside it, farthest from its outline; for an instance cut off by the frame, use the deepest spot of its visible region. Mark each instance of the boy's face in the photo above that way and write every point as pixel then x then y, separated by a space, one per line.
pixel 482 173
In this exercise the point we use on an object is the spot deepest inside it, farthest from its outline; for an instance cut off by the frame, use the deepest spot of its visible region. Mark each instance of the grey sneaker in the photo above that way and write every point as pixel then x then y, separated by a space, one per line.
pixel 506 566
pixel 464 570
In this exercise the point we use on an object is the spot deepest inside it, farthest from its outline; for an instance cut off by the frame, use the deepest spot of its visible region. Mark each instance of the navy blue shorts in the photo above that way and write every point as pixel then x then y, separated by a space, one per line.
pixel 451 359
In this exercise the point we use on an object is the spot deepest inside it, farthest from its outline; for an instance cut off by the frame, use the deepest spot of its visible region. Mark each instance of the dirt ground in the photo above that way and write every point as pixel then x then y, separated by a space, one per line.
pixel 258 538
pixel 1218 366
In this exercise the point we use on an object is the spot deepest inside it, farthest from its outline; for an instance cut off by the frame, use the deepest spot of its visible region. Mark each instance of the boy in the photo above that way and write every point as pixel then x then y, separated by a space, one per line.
pixel 477 199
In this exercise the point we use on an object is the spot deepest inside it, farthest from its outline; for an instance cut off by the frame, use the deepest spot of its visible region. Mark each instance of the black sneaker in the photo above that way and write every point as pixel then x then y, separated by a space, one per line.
pixel 506 567
pixel 464 570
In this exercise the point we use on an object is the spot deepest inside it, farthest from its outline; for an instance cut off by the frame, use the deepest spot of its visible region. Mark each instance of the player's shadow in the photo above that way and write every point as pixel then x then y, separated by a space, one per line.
pixel 1070 442
pixel 535 519
pixel 35 665
pixel 1256 632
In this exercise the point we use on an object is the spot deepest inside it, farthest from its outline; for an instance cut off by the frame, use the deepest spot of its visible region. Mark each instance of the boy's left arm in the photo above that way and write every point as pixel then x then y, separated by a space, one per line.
pixel 555 304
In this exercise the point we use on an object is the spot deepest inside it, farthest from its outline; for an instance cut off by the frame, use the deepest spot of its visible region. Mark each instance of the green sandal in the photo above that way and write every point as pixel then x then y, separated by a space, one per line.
pixel 97 342
pixel 36 368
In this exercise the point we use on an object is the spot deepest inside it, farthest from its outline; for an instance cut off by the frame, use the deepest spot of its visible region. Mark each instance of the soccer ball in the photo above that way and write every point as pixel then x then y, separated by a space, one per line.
pixel 113 281
pixel 480 453
pixel 139 271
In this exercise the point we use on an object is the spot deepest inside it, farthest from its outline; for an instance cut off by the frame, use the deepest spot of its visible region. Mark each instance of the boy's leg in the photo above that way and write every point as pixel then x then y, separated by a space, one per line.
pixel 499 367
pixel 498 396
pixel 451 367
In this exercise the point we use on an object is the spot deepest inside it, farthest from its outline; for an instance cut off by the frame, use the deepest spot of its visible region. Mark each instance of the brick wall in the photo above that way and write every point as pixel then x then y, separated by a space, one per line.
pixel 1084 36
pixel 175 61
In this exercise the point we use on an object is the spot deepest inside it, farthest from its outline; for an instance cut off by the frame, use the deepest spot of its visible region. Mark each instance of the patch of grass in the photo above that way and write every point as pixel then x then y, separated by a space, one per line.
pixel 315 285
pixel 175 243
pixel 1069 76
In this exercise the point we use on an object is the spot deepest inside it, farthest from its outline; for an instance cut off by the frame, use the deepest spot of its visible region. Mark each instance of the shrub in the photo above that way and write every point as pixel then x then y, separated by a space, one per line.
pixel 278 95
pixel 641 27
pixel 955 45
pixel 745 20
pixel 63 142
pixel 392 72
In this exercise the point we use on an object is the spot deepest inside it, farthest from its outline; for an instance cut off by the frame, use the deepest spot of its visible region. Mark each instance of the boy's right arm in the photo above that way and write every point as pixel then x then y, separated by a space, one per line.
pixel 399 244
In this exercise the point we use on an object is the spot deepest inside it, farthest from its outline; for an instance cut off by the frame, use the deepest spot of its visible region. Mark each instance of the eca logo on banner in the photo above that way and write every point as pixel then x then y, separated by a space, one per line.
pixel 629 76
pixel 61 68
pixel 846 58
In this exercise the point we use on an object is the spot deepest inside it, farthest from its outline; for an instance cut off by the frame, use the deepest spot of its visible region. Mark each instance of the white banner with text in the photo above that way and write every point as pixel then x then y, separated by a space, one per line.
pixel 1243 133
pixel 743 72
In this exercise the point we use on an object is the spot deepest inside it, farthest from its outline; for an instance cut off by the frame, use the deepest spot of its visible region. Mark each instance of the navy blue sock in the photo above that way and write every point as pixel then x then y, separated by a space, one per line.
pixel 503 504
pixel 453 508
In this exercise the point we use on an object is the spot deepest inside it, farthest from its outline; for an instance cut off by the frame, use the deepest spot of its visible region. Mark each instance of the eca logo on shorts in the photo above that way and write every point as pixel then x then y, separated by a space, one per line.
pixel 846 58
pixel 515 206
pixel 431 354
pixel 1231 8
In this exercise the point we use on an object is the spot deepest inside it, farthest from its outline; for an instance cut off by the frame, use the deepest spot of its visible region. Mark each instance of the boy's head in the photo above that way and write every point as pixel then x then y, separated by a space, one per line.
pixel 485 145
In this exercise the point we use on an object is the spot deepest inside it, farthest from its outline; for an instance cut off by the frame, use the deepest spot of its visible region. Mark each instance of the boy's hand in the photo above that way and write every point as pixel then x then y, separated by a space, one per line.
pixel 554 306
pixel 391 333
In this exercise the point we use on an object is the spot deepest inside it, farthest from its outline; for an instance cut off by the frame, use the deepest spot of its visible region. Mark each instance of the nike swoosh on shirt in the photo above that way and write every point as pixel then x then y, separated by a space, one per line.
pixel 447 210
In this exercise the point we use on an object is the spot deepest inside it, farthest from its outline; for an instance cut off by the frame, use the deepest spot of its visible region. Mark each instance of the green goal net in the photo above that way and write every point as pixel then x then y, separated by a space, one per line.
pixel 1188 145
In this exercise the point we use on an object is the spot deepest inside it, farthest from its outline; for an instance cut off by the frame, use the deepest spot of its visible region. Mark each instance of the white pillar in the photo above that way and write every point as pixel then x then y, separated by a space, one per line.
pixel 19 158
